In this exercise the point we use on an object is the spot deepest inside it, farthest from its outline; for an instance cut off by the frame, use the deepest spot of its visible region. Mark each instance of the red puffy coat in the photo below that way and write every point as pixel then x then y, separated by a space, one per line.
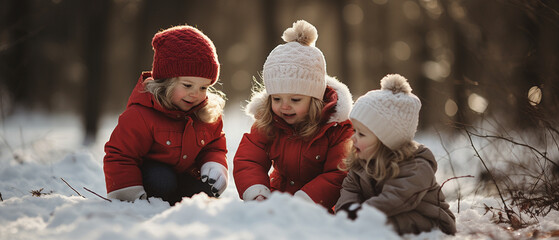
pixel 147 131
pixel 310 166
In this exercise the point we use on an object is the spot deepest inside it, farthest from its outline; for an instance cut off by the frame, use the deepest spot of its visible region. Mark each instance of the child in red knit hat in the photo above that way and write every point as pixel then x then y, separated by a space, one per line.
pixel 169 141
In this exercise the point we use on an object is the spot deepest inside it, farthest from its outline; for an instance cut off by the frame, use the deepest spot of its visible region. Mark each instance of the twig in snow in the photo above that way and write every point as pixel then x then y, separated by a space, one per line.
pixel 442 185
pixel 507 210
pixel 543 155
pixel 72 187
pixel 452 178
pixel 1 200
pixel 39 193
pixel 97 194
pixel 451 168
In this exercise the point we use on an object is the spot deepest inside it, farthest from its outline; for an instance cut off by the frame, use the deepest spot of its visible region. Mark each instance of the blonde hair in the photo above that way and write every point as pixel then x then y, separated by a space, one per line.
pixel 162 89
pixel 383 165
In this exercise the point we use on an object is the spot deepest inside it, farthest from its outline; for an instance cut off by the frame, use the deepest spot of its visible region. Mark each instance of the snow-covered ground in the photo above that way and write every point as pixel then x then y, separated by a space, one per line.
pixel 37 151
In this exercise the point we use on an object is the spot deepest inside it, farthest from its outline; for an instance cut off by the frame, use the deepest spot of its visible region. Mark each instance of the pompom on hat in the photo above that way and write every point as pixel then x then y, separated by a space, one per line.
pixel 296 67
pixel 184 51
pixel 391 113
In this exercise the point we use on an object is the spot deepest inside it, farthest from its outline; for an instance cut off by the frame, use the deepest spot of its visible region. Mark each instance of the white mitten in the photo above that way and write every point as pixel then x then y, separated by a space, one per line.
pixel 128 193
pixel 256 190
pixel 216 176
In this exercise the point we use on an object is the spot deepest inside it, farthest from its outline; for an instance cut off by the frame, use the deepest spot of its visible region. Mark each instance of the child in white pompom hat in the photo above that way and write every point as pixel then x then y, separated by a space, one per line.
pixel 301 126
pixel 387 169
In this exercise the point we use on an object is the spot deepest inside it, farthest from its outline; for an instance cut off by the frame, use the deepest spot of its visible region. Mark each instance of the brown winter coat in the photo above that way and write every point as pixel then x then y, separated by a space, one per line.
pixel 412 201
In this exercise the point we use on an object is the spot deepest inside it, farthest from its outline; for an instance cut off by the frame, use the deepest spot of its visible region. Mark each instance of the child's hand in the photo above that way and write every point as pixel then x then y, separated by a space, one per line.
pixel 351 209
pixel 260 198
pixel 216 176
pixel 144 197
pixel 129 194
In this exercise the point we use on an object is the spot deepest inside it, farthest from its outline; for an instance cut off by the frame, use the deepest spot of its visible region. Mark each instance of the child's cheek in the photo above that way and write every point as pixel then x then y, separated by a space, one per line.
pixel 368 151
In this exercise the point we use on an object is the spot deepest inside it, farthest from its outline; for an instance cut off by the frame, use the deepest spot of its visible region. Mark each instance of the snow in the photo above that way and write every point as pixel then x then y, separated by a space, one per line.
pixel 38 150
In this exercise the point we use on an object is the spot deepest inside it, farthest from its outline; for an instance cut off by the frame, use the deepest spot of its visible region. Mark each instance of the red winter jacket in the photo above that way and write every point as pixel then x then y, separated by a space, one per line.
pixel 310 166
pixel 147 131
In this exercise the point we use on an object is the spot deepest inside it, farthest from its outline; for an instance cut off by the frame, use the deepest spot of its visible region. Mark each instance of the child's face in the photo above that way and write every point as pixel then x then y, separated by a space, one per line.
pixel 293 108
pixel 364 140
pixel 189 92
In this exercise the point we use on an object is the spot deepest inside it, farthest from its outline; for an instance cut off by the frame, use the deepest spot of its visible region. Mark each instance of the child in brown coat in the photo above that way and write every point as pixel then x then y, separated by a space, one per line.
pixel 387 169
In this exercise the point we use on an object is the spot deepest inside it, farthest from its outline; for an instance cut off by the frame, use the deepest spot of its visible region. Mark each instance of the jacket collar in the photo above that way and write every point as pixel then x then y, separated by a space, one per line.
pixel 139 96
pixel 337 102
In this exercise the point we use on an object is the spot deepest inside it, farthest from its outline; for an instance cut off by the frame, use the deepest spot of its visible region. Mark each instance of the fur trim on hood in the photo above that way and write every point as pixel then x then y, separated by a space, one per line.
pixel 343 106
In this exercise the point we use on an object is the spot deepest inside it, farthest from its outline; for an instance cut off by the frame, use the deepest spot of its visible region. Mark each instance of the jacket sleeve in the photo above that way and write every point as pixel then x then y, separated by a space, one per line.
pixel 251 163
pixel 405 192
pixel 216 150
pixel 129 142
pixel 350 192
pixel 325 188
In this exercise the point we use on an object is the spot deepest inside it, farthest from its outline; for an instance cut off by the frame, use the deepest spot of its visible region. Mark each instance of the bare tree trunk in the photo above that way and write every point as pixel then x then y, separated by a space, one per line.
pixel 13 63
pixel 343 43
pixel 457 76
pixel 271 31
pixel 96 14
pixel 456 80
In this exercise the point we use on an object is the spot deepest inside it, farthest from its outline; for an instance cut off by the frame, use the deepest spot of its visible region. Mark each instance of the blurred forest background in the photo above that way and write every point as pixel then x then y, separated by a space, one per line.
pixel 467 60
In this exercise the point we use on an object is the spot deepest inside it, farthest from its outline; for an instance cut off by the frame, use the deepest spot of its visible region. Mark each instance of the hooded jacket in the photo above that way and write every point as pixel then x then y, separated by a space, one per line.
pixel 307 165
pixel 412 201
pixel 147 131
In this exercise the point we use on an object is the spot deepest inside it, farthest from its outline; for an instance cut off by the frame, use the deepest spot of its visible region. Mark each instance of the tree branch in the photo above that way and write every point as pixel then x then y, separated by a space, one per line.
pixel 452 178
pixel 451 168
pixel 97 194
pixel 507 211
pixel 72 187
pixel 517 143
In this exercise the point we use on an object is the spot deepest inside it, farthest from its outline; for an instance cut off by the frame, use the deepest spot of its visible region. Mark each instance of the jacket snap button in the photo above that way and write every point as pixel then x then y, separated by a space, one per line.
pixel 168 142
pixel 271 179
pixel 202 142
pixel 335 124
pixel 292 183
pixel 184 156
pixel 317 157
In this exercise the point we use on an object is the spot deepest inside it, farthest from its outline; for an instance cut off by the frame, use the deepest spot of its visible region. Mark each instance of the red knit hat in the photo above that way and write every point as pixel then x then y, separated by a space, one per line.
pixel 184 51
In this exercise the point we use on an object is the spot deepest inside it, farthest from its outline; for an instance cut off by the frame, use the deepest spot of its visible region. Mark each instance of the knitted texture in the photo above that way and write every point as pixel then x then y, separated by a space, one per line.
pixel 391 113
pixel 296 67
pixel 184 51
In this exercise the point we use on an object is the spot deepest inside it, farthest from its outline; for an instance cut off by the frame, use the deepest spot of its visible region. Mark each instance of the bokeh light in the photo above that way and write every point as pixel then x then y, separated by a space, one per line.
pixel 411 10
pixel 456 11
pixel 437 71
pixel 477 103
pixel 434 9
pixel 535 95
pixel 401 50
pixel 450 108
pixel 353 14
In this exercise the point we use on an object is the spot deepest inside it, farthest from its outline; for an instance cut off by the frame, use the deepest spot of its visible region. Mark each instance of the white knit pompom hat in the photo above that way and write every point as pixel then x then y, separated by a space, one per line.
pixel 391 113
pixel 296 67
